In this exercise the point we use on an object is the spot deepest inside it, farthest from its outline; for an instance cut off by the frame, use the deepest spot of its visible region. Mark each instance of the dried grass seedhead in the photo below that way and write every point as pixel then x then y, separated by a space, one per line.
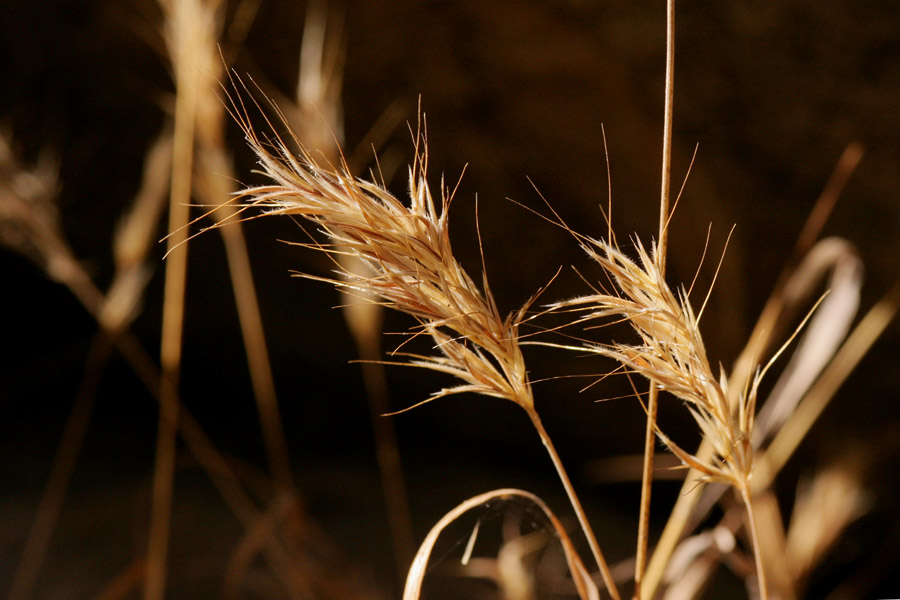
pixel 408 249
pixel 671 354
pixel 29 218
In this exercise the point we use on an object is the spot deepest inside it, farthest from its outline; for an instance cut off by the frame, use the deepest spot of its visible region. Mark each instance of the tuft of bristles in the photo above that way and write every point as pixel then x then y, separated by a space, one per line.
pixel 413 269
pixel 672 355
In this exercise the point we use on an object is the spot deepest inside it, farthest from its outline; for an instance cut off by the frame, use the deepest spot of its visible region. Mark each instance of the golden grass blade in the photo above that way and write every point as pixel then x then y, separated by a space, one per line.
pixel 587 590
pixel 187 25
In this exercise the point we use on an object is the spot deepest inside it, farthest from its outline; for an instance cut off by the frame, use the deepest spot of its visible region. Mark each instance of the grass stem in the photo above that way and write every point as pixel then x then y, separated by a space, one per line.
pixel 754 536
pixel 387 454
pixel 660 257
pixel 605 573
pixel 674 529
pixel 258 361
pixel 646 485
pixel 173 303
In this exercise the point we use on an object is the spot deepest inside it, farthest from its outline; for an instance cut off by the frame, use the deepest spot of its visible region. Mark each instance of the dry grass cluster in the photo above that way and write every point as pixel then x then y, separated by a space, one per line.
pixel 384 251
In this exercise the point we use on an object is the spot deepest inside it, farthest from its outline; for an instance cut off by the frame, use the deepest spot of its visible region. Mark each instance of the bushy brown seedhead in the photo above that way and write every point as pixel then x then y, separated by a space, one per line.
pixel 409 251
pixel 671 354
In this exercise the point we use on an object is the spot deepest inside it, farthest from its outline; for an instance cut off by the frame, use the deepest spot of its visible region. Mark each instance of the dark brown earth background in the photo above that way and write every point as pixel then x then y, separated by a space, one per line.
pixel 515 90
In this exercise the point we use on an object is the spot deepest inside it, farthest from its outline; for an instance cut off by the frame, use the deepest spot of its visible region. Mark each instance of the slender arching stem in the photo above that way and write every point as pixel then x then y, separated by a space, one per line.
pixel 754 536
pixel 575 502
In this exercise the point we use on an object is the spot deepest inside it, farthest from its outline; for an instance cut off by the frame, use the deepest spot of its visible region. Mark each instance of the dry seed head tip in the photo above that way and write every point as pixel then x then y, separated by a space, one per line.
pixel 671 354
pixel 408 248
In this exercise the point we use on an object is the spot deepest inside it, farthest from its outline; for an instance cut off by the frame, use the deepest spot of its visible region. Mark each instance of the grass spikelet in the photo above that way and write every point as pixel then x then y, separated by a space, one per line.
pixel 671 354
pixel 408 249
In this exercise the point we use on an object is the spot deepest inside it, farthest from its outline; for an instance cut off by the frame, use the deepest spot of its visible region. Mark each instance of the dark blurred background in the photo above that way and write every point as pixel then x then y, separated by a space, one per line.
pixel 517 90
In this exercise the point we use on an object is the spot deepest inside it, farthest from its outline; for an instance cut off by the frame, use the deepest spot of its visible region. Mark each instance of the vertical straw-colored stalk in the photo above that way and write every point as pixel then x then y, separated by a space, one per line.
pixel 214 185
pixel 660 256
pixel 258 360
pixel 183 19
pixel 318 122
pixel 747 497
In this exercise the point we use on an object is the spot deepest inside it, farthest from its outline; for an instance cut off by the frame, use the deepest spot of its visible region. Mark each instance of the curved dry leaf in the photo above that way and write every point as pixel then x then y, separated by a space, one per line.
pixel 820 393
pixel 587 589
pixel 825 331
pixel 696 558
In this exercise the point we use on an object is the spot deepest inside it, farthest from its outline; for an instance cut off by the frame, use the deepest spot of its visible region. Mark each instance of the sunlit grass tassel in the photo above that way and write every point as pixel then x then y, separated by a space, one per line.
pixel 671 354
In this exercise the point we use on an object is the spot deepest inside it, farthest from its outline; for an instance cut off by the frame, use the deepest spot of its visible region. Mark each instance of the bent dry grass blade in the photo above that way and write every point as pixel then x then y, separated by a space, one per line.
pixel 587 589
